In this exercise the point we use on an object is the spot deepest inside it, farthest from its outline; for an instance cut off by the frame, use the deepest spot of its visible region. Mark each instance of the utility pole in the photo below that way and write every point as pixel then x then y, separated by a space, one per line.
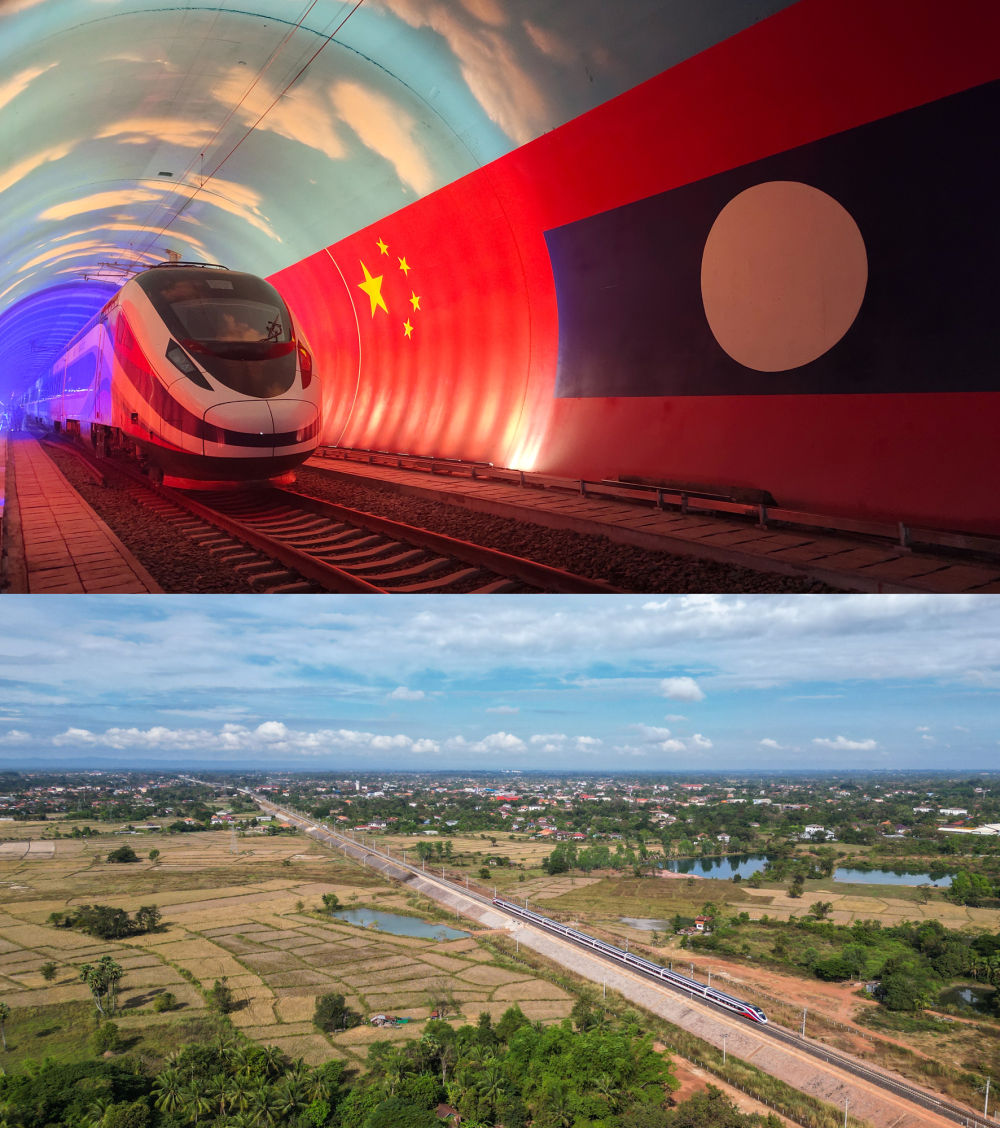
pixel 724 1037
pixel 986 1102
pixel 847 1101
pixel 804 1022
pixel 710 977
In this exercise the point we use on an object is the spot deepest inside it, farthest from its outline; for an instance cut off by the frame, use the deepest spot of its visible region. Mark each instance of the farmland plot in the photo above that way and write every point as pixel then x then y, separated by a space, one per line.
pixel 246 918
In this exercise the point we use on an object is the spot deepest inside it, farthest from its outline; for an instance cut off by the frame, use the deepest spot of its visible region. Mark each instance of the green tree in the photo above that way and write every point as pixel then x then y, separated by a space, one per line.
pixel 126 1114
pixel 333 1013
pixel 969 888
pixel 220 997
pixel 106 1037
pixel 165 1001
pixel 153 855
pixel 331 902
pixel 49 971
pixel 147 918
pixel 103 978
pixel 124 853
pixel 906 984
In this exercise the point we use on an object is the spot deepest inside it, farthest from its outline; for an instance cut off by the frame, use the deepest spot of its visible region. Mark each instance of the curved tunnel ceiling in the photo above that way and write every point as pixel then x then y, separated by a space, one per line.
pixel 254 132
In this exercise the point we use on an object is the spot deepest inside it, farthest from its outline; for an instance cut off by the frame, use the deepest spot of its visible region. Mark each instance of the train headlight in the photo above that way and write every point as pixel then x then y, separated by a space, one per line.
pixel 181 361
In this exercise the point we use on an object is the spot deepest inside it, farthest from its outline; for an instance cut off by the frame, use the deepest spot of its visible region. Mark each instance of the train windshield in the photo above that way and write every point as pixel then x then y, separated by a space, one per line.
pixel 235 325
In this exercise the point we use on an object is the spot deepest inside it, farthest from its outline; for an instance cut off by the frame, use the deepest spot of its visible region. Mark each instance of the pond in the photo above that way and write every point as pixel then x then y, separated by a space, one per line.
pixel 887 877
pixel 723 868
pixel 967 997
pixel 399 925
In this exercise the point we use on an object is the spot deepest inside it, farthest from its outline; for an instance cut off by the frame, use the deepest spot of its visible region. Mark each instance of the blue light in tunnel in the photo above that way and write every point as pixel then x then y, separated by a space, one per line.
pixel 35 330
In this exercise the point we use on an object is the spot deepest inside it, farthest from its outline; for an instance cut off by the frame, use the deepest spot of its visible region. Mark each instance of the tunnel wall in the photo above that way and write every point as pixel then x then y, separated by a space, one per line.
pixel 768 267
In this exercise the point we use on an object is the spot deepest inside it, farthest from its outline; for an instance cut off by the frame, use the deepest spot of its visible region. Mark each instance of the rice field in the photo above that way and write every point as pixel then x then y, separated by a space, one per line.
pixel 251 917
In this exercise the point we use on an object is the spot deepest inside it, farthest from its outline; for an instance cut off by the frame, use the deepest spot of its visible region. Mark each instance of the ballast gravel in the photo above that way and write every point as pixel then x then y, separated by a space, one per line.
pixel 623 566
pixel 178 564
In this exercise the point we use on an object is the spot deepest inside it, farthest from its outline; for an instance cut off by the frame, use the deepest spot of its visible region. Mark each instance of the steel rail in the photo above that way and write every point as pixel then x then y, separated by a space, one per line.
pixel 503 563
pixel 273 534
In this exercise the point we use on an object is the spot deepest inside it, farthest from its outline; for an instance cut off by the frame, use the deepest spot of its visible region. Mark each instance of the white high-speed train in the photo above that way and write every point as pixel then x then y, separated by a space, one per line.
pixel 195 367
pixel 692 986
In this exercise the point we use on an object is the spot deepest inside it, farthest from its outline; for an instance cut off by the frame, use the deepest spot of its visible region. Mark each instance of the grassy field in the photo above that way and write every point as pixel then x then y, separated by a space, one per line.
pixel 252 918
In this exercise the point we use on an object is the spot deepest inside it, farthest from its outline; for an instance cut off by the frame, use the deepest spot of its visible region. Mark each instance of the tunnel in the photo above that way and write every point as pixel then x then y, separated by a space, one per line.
pixel 746 246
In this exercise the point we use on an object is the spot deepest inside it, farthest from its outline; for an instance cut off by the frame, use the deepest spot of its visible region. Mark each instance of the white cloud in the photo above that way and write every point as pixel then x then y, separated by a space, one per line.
pixel 672 746
pixel 842 744
pixel 767 742
pixel 701 741
pixel 20 82
pixel 15 736
pixel 651 732
pixel 386 128
pixel 502 709
pixel 681 689
pixel 401 693
pixel 272 730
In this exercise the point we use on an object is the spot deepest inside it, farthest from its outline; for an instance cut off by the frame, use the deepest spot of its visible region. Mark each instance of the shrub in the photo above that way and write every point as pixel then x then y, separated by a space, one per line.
pixel 123 854
pixel 332 1013
pixel 221 998
pixel 165 1002
pixel 106 1037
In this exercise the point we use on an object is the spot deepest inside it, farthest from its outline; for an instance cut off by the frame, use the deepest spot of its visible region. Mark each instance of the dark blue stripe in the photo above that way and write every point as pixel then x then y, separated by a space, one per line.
pixel 922 187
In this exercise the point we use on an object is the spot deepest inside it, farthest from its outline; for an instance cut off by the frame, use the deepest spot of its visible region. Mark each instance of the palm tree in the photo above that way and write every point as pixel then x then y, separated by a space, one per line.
pixel 610 1090
pixel 4 1016
pixel 492 1081
pixel 168 1087
pixel 291 1094
pixel 241 1090
pixel 264 1105
pixel 556 1104
pixel 96 1110
pixel 194 1102
pixel 273 1061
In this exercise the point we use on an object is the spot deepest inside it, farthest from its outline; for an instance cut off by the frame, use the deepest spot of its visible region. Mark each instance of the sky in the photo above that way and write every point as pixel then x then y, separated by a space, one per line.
pixel 574 683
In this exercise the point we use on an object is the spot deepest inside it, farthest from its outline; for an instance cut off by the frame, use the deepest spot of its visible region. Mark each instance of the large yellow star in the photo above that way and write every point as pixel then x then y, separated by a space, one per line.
pixel 407 328
pixel 373 288
pixel 404 266
pixel 414 300
pixel 383 248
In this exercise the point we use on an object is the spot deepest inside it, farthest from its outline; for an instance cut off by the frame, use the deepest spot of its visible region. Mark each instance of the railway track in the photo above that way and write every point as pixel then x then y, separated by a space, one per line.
pixel 951 1110
pixel 289 542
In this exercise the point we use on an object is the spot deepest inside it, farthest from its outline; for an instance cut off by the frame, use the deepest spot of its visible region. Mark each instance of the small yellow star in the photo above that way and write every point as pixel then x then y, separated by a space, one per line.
pixel 383 248
pixel 404 266
pixel 373 288
pixel 414 300
pixel 407 328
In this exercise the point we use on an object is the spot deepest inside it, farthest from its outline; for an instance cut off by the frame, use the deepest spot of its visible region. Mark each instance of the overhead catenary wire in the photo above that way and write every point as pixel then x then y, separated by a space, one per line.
pixel 205 178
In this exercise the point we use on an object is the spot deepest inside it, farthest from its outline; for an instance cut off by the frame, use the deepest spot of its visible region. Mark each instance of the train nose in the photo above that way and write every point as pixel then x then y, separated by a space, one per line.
pixel 253 424
pixel 245 417
pixel 295 421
